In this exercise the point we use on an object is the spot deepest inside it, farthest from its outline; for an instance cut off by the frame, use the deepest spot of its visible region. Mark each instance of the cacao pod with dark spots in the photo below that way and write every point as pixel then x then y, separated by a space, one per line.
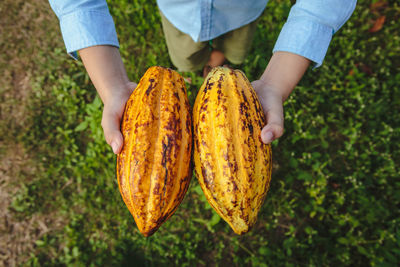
pixel 153 167
pixel 232 164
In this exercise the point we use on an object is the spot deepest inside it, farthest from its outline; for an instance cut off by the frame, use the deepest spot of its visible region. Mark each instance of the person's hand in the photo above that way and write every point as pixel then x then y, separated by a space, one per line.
pixel 107 72
pixel 282 74
pixel 112 114
pixel 272 102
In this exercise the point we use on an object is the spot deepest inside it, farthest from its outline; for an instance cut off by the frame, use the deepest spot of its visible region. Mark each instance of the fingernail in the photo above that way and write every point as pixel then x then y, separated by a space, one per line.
pixel 268 137
pixel 114 147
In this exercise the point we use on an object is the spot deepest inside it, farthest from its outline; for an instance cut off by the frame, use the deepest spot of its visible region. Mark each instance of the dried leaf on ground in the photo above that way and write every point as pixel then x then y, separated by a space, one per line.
pixel 378 6
pixel 378 24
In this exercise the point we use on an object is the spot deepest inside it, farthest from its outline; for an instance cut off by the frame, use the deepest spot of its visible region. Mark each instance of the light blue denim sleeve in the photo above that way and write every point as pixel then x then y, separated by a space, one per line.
pixel 311 25
pixel 84 23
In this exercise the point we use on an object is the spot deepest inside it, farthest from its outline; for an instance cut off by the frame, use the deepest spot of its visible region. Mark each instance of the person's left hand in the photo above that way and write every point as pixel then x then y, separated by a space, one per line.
pixel 272 102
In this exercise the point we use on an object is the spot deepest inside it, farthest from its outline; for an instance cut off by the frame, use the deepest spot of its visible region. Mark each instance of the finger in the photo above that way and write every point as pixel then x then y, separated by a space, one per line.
pixel 275 122
pixel 271 132
pixel 257 84
pixel 271 101
pixel 111 127
pixel 132 86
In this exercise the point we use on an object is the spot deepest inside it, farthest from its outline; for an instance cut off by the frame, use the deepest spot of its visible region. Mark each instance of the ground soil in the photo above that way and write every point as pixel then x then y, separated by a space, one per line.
pixel 28 32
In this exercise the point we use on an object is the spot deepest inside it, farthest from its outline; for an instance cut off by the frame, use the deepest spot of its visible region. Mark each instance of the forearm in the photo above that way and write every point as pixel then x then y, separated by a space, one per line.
pixel 106 70
pixel 284 71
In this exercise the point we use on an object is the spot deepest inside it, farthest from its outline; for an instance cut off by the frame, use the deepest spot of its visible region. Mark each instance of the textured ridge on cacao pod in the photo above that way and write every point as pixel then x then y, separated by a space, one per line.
pixel 153 168
pixel 232 164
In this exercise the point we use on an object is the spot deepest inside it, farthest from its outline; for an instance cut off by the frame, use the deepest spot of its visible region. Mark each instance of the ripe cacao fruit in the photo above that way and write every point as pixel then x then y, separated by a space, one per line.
pixel 153 168
pixel 232 164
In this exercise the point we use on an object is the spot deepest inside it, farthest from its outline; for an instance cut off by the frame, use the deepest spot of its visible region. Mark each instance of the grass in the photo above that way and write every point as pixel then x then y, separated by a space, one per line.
pixel 335 190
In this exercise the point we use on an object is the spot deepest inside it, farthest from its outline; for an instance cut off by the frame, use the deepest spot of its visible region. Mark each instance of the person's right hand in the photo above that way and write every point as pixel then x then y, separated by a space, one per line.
pixel 271 100
pixel 282 74
pixel 107 72
pixel 112 114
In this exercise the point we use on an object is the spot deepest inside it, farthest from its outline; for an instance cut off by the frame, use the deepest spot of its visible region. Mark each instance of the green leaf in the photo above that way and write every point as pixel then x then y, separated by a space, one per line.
pixel 343 240
pixel 362 250
pixel 82 126
pixel 214 219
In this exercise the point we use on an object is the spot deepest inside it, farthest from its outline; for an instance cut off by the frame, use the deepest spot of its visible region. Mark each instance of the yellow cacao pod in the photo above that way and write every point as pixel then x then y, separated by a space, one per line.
pixel 153 168
pixel 232 164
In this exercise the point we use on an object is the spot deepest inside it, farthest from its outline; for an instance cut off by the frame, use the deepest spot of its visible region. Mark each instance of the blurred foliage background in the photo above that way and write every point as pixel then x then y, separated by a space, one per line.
pixel 335 191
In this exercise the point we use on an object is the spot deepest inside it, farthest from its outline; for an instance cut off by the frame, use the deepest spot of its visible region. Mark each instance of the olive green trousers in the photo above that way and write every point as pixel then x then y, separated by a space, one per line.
pixel 188 55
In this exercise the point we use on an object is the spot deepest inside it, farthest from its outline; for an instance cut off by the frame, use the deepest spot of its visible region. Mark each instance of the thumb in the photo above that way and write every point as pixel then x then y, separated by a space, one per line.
pixel 111 127
pixel 273 110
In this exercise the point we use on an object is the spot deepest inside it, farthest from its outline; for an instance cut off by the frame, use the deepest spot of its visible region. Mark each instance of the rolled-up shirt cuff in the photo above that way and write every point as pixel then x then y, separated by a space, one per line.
pixel 306 38
pixel 83 29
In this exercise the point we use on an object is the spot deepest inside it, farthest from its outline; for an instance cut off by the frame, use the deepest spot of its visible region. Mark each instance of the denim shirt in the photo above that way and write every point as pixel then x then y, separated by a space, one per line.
pixel 307 31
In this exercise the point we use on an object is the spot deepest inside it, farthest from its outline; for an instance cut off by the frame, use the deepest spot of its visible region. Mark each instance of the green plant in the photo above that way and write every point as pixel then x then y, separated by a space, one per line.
pixel 334 192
